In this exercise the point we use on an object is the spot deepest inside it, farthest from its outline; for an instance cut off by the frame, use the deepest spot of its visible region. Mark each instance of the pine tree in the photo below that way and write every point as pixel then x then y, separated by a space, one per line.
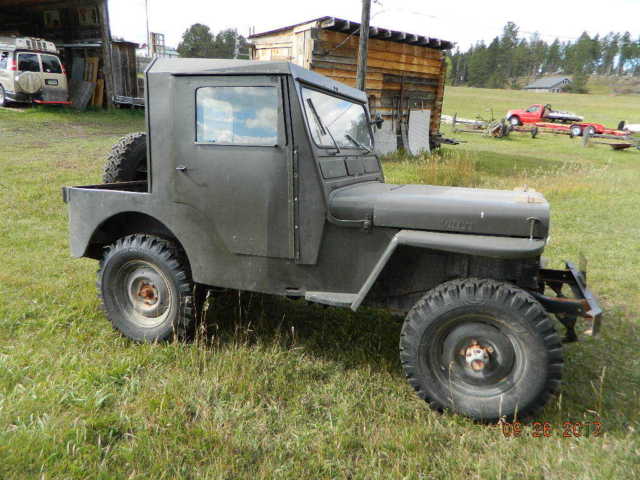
pixel 626 52
pixel 553 59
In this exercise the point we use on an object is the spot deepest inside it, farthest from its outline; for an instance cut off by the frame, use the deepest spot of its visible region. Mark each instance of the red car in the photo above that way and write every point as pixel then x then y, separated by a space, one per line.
pixel 543 116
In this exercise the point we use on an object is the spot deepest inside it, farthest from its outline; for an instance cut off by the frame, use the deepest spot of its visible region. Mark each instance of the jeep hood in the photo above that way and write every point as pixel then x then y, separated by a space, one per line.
pixel 444 209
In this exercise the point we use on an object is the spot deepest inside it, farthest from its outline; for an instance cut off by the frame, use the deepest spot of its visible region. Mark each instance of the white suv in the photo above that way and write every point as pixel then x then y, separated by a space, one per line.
pixel 30 71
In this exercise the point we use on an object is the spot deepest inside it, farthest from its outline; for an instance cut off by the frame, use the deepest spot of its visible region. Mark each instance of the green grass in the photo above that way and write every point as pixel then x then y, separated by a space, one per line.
pixel 284 390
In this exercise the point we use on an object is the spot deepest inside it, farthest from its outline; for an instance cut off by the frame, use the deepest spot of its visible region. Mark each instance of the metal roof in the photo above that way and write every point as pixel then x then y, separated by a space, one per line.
pixel 548 82
pixel 349 27
pixel 210 66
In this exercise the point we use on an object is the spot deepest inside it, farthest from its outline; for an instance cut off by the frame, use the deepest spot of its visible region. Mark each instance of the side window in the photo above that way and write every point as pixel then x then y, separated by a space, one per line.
pixel 28 62
pixel 533 109
pixel 51 64
pixel 237 115
pixel 4 59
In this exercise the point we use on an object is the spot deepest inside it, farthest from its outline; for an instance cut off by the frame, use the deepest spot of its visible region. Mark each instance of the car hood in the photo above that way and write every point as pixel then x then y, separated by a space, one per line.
pixel 444 209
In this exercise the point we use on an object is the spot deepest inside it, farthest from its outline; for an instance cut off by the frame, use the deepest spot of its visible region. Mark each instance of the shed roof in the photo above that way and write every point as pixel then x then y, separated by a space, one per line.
pixel 210 66
pixel 548 82
pixel 349 27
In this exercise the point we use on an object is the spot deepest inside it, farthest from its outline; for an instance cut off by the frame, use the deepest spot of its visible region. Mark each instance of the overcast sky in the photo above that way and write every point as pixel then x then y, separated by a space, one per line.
pixel 460 21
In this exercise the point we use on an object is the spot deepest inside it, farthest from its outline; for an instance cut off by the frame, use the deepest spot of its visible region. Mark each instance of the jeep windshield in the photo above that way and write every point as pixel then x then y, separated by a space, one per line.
pixel 330 116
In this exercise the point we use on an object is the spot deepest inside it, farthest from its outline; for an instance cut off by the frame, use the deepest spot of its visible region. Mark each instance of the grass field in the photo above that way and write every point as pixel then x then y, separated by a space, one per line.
pixel 284 390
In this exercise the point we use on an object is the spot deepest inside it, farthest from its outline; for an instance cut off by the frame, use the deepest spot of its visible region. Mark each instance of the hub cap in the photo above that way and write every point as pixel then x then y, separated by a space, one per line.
pixel 475 353
pixel 143 293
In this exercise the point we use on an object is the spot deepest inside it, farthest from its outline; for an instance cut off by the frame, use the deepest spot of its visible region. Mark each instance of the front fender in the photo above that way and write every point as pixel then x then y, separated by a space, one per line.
pixel 478 245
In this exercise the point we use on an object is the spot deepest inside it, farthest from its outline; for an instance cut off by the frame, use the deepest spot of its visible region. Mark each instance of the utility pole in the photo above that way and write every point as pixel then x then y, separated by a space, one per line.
pixel 146 14
pixel 364 43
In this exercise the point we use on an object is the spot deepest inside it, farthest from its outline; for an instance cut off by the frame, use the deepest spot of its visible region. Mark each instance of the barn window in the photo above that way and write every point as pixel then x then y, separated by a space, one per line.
pixel 237 115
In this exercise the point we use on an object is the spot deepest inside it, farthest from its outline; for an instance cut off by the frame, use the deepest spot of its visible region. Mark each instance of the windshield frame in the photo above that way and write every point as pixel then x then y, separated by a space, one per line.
pixel 363 105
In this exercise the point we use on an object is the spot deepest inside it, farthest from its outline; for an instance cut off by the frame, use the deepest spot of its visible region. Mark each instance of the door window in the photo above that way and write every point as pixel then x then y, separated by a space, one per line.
pixel 51 64
pixel 4 58
pixel 237 115
pixel 28 62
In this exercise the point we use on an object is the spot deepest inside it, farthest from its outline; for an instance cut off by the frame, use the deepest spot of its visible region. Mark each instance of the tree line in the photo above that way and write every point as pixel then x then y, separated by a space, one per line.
pixel 511 60
pixel 198 41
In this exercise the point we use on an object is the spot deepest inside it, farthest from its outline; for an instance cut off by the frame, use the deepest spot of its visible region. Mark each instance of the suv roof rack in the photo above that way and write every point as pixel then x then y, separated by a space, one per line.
pixel 28 43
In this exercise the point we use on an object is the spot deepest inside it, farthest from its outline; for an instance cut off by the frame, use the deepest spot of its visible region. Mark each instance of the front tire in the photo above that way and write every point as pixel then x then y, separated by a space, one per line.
pixel 146 289
pixel 481 348
pixel 514 121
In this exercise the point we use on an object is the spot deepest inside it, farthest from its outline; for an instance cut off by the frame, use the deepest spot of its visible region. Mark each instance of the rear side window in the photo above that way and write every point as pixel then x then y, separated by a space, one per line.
pixel 237 115
pixel 4 59
pixel 51 64
pixel 28 62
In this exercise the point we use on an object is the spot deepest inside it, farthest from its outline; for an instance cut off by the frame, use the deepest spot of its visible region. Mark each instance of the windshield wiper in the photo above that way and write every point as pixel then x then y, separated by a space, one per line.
pixel 357 143
pixel 324 130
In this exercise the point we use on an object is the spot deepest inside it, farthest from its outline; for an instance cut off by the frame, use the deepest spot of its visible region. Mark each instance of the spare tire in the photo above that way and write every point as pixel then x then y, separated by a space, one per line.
pixel 127 161
pixel 29 82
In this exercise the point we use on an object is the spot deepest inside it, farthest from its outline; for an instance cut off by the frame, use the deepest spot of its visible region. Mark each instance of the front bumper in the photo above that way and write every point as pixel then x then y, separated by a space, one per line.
pixel 583 303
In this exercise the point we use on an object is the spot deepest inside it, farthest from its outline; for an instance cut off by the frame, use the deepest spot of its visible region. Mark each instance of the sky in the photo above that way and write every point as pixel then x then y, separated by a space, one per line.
pixel 461 21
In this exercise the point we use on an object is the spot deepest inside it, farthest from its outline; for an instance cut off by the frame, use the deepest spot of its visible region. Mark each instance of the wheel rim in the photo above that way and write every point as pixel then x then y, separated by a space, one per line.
pixel 514 121
pixel 576 131
pixel 143 293
pixel 474 354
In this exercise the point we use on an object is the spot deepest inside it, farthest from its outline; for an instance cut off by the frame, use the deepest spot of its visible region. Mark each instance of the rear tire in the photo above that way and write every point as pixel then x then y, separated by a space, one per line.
pixel 481 348
pixel 146 289
pixel 127 161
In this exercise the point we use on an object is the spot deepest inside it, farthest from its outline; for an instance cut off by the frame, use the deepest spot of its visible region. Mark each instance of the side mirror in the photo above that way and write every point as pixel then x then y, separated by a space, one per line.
pixel 378 121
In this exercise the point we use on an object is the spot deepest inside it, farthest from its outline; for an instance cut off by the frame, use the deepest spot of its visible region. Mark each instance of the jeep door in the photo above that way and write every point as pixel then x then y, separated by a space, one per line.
pixel 233 159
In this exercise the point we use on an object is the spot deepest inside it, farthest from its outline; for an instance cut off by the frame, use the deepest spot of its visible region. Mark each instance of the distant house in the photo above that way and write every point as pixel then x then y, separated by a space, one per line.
pixel 549 84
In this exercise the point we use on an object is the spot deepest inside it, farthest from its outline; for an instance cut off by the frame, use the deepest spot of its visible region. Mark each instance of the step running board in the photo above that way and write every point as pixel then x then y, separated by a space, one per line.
pixel 335 299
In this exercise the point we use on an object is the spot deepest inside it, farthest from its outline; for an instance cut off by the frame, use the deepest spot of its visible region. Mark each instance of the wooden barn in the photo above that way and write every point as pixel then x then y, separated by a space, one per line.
pixel 80 30
pixel 405 74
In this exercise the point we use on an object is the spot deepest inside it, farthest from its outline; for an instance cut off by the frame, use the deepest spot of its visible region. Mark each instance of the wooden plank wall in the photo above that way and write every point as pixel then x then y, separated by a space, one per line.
pixel 397 72
pixel 124 70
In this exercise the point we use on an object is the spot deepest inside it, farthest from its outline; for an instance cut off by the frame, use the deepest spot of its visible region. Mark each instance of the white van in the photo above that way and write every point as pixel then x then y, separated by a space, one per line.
pixel 31 72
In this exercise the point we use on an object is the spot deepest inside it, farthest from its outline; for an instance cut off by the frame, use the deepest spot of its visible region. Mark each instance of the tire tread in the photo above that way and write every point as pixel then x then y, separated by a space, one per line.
pixel 470 291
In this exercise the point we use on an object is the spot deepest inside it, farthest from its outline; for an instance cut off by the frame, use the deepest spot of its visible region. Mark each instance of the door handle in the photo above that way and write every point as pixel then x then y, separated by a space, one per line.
pixel 181 168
